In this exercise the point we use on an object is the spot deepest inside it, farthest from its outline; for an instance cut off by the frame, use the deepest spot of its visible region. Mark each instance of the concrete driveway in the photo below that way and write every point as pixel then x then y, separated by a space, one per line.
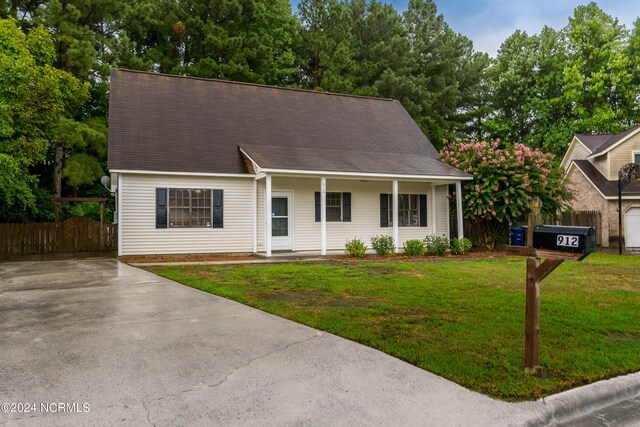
pixel 117 345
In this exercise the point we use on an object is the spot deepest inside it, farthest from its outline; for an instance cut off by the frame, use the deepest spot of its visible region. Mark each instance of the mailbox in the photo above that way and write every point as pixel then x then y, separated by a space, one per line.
pixel 565 238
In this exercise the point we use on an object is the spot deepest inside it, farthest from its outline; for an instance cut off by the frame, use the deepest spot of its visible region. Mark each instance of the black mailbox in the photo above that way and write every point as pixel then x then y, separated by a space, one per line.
pixel 565 238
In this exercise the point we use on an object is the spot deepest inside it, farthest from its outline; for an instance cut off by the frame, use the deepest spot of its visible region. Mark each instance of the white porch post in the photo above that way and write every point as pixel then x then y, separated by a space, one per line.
pixel 255 216
pixel 395 214
pixel 267 215
pixel 459 209
pixel 119 209
pixel 433 209
pixel 323 216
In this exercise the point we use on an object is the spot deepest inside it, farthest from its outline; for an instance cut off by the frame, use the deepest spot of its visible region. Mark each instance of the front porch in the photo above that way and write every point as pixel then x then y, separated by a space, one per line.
pixel 302 215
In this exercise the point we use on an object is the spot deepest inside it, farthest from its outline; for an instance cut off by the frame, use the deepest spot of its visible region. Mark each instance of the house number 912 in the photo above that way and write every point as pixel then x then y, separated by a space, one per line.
pixel 563 240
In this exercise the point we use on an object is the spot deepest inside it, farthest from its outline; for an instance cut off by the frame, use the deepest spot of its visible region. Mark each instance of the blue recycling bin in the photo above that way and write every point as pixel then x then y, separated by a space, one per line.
pixel 518 235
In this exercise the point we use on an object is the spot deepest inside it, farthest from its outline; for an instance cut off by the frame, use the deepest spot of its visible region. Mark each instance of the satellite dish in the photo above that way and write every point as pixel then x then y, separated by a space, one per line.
pixel 106 181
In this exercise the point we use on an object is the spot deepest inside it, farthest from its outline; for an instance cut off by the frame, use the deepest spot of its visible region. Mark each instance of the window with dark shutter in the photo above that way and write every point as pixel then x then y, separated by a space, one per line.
pixel 218 208
pixel 318 203
pixel 410 210
pixel 384 210
pixel 189 208
pixel 161 208
pixel 346 207
pixel 423 210
pixel 335 206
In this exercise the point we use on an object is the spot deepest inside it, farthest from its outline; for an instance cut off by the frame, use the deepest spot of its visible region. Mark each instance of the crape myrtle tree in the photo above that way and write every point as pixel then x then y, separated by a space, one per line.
pixel 506 176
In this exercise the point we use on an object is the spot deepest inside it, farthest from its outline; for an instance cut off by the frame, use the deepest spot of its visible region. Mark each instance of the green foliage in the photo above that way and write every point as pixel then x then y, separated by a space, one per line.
pixel 549 86
pixel 355 248
pixel 436 245
pixel 413 247
pixel 540 89
pixel 36 97
pixel 383 245
pixel 460 246
pixel 505 179
pixel 242 40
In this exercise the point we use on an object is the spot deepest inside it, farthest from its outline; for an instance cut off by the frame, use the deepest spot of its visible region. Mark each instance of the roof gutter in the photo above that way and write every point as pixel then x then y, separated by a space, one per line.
pixel 361 174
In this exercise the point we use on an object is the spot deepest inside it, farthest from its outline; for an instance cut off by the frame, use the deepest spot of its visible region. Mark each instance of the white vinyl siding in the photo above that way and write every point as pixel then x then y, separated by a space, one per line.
pixel 442 207
pixel 601 163
pixel 623 154
pixel 140 235
pixel 365 211
pixel 576 151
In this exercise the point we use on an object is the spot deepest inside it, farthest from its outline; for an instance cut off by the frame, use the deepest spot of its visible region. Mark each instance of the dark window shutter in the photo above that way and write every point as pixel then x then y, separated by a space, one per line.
pixel 384 210
pixel 423 210
pixel 161 208
pixel 318 206
pixel 346 207
pixel 218 208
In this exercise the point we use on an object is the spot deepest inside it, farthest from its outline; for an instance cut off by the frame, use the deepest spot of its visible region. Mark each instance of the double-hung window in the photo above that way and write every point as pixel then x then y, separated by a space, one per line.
pixel 412 210
pixel 334 206
pixel 408 210
pixel 189 208
pixel 636 158
pixel 338 207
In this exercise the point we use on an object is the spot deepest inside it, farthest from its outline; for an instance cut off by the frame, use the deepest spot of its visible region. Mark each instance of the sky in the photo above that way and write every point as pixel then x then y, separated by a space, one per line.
pixel 489 22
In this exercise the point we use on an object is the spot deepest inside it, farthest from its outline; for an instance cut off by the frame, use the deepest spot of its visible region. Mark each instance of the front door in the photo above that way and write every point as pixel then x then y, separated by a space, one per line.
pixel 281 220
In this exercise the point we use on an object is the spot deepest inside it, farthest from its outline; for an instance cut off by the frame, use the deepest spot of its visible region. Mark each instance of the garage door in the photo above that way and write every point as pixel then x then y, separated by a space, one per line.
pixel 632 227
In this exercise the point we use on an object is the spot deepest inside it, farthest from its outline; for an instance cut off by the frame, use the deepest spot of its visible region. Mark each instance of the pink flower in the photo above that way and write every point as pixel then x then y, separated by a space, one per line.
pixel 493 213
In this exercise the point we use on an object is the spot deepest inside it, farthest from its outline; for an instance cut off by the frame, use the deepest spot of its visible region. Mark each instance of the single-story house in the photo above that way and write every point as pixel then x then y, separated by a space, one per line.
pixel 591 165
pixel 210 166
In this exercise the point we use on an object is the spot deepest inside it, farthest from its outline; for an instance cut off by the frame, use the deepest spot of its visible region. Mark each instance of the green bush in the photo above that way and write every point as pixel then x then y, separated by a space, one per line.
pixel 413 248
pixel 460 246
pixel 355 248
pixel 383 245
pixel 436 245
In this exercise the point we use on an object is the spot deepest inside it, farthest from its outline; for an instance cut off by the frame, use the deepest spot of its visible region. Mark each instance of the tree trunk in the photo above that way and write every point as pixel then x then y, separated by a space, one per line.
pixel 57 170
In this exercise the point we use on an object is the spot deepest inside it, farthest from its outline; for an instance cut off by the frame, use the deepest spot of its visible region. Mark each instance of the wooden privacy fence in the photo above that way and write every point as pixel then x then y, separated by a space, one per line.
pixel 77 234
pixel 574 218
pixel 584 219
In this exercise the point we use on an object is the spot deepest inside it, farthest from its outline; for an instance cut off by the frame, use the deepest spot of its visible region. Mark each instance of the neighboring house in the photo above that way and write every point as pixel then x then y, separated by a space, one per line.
pixel 591 165
pixel 209 166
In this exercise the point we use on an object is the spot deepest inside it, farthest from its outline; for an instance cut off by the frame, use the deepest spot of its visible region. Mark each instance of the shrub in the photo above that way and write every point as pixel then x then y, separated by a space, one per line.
pixel 413 248
pixel 355 248
pixel 460 246
pixel 383 245
pixel 436 245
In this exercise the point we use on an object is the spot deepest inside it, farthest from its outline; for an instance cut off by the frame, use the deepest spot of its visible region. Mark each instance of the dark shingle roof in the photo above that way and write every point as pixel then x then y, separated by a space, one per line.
pixel 606 187
pixel 592 142
pixel 183 124
pixel 320 159
pixel 599 144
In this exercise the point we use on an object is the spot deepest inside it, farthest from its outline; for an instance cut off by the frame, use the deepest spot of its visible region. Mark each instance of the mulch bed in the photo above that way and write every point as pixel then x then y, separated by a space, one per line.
pixel 472 255
pixel 135 259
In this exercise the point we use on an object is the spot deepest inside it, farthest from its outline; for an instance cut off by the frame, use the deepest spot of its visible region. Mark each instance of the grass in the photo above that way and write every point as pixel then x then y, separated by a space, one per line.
pixel 463 320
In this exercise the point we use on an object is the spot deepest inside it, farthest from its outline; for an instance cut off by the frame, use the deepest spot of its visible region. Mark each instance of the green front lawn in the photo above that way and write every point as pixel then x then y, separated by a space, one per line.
pixel 461 319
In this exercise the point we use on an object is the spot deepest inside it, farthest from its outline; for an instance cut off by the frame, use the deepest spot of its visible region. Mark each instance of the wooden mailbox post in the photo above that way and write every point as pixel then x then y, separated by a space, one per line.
pixel 537 271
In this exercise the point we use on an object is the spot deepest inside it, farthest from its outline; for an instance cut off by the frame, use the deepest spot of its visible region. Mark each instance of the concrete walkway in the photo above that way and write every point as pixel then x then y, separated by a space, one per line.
pixel 139 349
